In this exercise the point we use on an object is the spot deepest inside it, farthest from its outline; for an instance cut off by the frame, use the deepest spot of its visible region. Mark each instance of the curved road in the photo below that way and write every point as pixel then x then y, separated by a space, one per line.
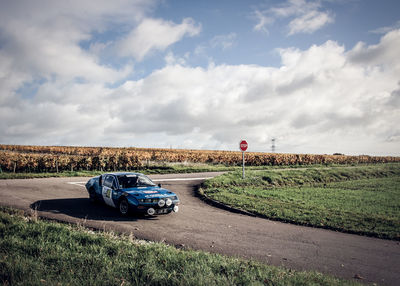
pixel 200 226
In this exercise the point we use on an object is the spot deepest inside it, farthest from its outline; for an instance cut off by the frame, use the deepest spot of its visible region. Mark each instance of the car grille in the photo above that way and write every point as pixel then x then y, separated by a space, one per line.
pixel 155 200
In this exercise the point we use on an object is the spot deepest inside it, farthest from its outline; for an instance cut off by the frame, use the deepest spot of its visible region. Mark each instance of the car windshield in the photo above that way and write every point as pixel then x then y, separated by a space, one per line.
pixel 132 181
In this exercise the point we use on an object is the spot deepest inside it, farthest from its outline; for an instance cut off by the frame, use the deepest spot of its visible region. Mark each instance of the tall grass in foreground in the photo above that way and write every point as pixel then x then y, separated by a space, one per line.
pixel 357 199
pixel 35 252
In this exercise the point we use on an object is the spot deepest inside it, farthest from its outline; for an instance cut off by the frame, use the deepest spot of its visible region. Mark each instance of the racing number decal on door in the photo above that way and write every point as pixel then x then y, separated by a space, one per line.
pixel 107 193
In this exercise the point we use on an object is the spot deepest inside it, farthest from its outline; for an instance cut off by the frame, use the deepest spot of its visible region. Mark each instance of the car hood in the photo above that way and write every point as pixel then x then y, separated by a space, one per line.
pixel 149 192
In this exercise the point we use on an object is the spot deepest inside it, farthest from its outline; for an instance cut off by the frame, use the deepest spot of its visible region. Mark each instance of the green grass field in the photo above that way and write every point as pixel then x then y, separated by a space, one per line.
pixel 36 252
pixel 357 199
pixel 155 168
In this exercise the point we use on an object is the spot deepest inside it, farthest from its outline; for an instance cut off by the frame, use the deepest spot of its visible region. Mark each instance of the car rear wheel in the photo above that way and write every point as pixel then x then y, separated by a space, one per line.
pixel 92 196
pixel 123 207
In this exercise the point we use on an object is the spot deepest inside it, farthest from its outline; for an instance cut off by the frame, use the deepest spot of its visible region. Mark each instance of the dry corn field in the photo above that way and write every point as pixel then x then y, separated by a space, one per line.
pixel 22 158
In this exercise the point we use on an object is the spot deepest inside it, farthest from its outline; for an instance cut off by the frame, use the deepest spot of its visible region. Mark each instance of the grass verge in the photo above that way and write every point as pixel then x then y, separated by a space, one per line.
pixel 158 168
pixel 357 199
pixel 36 252
pixel 152 169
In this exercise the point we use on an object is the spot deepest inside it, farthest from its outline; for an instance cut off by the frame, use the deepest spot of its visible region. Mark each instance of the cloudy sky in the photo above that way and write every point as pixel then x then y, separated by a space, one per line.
pixel 319 76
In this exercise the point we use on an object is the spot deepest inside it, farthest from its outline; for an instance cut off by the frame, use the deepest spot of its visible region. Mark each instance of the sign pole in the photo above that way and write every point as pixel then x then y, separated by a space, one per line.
pixel 243 147
pixel 243 163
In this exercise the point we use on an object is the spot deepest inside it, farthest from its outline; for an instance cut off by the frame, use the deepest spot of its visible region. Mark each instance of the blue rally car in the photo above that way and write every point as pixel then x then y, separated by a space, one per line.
pixel 132 192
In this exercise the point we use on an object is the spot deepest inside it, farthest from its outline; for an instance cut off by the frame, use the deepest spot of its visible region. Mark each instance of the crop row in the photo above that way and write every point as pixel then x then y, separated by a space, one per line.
pixel 34 162
pixel 19 158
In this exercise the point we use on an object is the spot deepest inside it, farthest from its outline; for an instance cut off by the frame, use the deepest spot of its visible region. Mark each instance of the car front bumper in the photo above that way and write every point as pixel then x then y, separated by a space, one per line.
pixel 156 210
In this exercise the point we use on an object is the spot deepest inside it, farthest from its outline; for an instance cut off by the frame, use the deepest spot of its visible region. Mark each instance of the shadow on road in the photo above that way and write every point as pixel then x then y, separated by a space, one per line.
pixel 82 208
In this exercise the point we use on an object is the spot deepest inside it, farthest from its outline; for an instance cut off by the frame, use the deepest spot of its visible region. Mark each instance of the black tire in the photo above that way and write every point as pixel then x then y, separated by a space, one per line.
pixel 92 195
pixel 123 207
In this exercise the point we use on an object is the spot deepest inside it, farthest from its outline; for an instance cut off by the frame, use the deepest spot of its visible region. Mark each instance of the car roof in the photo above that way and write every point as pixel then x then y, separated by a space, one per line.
pixel 123 173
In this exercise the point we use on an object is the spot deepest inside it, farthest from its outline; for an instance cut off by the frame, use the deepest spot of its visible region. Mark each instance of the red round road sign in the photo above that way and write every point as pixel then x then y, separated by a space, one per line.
pixel 243 145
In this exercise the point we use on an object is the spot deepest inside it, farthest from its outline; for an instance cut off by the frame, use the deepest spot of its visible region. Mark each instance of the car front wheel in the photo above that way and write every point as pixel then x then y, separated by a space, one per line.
pixel 123 207
pixel 92 196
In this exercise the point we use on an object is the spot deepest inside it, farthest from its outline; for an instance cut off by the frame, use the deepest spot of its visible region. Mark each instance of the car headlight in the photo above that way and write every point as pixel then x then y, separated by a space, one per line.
pixel 161 203
pixel 168 202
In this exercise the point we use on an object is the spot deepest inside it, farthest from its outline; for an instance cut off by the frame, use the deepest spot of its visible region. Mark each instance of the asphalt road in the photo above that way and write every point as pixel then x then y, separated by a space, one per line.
pixel 200 226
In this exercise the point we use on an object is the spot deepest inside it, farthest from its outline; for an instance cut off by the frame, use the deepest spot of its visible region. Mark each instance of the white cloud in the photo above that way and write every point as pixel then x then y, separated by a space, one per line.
pixel 223 41
pixel 319 100
pixel 307 16
pixel 386 29
pixel 309 22
pixel 155 34
pixel 46 40
pixel 323 99
pixel 263 21
pixel 380 54
pixel 43 44
pixel 295 7
pixel 171 59
pixel 40 47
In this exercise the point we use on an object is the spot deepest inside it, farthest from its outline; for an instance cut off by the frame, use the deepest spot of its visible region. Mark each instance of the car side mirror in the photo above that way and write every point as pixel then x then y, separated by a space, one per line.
pixel 159 185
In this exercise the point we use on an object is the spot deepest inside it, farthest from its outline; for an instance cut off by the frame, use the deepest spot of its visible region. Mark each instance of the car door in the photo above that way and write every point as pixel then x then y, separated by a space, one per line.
pixel 107 190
